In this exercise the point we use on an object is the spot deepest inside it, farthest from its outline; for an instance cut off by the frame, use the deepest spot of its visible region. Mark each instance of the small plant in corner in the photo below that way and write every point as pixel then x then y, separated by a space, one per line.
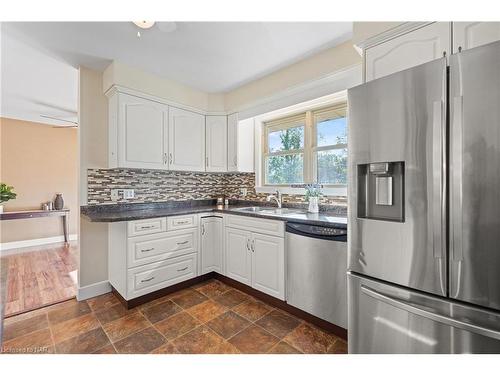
pixel 6 194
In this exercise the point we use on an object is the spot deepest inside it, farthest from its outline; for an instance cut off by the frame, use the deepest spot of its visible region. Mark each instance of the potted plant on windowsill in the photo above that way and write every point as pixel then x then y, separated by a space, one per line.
pixel 6 194
pixel 313 193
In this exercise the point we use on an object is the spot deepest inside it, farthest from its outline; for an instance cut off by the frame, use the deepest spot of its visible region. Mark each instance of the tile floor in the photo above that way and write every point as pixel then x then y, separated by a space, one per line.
pixel 210 317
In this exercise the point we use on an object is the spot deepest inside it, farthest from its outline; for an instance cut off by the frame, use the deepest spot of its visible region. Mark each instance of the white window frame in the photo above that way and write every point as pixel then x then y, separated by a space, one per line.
pixel 336 99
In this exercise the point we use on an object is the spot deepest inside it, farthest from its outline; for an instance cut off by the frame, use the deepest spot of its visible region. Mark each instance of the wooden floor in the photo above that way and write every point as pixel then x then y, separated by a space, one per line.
pixel 40 278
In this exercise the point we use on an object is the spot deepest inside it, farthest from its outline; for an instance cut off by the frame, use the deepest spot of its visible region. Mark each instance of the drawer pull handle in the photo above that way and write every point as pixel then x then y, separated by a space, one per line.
pixel 182 243
pixel 182 269
pixel 146 227
pixel 146 280
pixel 146 250
pixel 183 222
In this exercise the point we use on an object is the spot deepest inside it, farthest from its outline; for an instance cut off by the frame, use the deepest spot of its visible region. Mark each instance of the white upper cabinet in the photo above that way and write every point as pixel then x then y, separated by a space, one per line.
pixel 216 143
pixel 211 245
pixel 240 144
pixel 474 34
pixel 186 140
pixel 138 133
pixel 232 142
pixel 410 49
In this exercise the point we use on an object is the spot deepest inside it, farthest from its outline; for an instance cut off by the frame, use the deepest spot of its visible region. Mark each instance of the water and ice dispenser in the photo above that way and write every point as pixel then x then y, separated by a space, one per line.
pixel 381 191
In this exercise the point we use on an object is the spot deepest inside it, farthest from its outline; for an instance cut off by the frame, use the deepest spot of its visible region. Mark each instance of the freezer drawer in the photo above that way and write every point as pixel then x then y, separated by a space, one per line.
pixel 388 319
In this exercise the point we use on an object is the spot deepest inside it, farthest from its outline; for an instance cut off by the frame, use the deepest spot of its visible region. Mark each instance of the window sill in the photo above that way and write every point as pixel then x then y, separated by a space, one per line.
pixel 340 191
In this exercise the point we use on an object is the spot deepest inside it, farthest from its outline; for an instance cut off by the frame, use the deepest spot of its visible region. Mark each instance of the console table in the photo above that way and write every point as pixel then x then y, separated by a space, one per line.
pixel 32 214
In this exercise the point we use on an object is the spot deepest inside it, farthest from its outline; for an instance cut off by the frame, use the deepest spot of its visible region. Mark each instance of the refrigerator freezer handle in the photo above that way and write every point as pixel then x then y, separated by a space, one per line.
pixel 456 191
pixel 430 315
pixel 439 187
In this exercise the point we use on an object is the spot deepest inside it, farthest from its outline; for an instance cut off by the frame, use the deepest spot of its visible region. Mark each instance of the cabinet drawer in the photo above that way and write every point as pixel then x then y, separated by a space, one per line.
pixel 147 226
pixel 147 279
pixel 182 222
pixel 265 226
pixel 155 247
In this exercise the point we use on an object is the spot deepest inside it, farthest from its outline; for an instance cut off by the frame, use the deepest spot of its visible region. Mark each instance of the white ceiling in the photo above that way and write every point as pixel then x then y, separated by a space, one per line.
pixel 35 84
pixel 210 56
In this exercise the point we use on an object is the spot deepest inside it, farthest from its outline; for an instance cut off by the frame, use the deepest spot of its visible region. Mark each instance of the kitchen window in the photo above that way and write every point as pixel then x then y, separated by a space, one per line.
pixel 309 147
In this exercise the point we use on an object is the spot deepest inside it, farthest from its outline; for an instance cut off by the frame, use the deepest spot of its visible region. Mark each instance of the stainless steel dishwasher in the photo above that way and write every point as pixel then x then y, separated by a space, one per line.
pixel 317 271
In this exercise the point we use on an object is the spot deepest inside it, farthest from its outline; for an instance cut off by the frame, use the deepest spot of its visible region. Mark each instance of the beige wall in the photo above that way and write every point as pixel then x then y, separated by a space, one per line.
pixel 93 138
pixel 317 66
pixel 38 160
pixel 364 30
pixel 120 74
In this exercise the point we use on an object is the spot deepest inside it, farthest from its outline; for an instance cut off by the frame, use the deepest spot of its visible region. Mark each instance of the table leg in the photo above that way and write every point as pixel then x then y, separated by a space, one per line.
pixel 66 228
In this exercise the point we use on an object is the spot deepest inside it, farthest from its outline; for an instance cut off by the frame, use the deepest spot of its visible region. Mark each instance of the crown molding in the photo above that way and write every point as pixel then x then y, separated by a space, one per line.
pixel 391 34
pixel 114 89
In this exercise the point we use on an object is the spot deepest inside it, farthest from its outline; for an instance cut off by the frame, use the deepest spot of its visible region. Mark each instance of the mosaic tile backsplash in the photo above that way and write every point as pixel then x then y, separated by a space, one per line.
pixel 161 186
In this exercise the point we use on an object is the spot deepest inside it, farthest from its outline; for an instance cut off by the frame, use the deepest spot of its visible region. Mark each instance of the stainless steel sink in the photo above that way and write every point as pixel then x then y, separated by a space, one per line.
pixel 269 210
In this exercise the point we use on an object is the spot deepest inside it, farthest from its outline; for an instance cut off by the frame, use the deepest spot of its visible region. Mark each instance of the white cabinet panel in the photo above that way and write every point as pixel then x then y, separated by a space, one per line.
pixel 474 34
pixel 232 142
pixel 238 257
pixel 182 222
pixel 142 133
pixel 268 265
pixel 211 245
pixel 146 279
pixel 216 143
pixel 240 144
pixel 147 226
pixel 155 247
pixel 264 226
pixel 406 51
pixel 186 140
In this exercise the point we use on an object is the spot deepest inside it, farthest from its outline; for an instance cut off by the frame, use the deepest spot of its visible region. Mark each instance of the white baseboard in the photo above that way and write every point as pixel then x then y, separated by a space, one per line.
pixel 34 242
pixel 93 290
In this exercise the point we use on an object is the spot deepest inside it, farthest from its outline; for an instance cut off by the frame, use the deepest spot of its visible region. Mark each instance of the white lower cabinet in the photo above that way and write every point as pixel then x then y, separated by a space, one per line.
pixel 238 255
pixel 268 264
pixel 211 245
pixel 256 259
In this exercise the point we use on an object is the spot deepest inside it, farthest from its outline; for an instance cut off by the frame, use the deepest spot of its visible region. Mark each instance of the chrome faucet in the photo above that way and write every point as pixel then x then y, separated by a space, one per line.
pixel 276 198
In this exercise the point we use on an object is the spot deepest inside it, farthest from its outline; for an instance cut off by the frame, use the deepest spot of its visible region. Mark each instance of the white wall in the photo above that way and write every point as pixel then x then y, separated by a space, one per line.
pixel 93 140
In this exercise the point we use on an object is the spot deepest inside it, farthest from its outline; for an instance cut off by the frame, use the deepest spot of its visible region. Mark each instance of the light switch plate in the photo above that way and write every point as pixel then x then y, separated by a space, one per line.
pixel 243 192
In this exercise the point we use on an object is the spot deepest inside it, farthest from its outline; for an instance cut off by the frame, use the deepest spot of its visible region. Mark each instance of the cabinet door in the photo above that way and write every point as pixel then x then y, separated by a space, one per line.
pixel 142 133
pixel 232 142
pixel 468 35
pixel 268 265
pixel 216 143
pixel 186 140
pixel 406 51
pixel 238 256
pixel 211 245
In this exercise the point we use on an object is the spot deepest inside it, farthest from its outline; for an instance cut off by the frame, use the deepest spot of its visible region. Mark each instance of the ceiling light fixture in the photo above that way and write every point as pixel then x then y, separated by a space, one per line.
pixel 143 25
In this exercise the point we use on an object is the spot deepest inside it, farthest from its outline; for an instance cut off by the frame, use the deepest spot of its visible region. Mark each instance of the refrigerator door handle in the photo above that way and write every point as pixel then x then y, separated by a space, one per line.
pixel 430 315
pixel 439 165
pixel 456 207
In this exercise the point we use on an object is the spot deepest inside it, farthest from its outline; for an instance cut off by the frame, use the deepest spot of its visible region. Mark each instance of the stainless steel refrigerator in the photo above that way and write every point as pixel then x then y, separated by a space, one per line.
pixel 424 208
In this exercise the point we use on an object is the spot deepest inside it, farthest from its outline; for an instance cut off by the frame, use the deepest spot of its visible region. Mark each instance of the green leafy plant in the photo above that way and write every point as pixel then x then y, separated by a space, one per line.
pixel 313 190
pixel 6 193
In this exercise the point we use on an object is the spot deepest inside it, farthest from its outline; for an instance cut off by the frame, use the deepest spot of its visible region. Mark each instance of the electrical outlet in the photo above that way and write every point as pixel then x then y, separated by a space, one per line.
pixel 243 192
pixel 128 193
pixel 114 195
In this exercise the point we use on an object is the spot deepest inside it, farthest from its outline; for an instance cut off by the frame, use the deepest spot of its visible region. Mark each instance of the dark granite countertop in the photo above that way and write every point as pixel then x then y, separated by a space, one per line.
pixel 136 211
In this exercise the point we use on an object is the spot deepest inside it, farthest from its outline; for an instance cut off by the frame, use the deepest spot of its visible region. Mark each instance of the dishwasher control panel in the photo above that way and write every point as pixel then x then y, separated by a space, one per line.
pixel 316 231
